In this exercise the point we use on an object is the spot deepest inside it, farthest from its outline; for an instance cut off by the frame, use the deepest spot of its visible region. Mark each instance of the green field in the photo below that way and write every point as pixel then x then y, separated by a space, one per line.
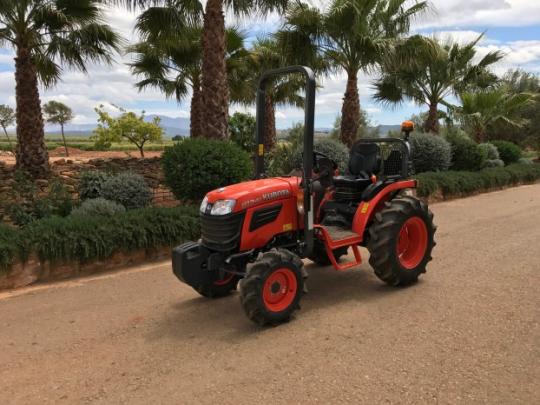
pixel 84 143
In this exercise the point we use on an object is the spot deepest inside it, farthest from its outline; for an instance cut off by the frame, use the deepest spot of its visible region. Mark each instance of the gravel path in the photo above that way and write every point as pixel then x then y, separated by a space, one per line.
pixel 468 332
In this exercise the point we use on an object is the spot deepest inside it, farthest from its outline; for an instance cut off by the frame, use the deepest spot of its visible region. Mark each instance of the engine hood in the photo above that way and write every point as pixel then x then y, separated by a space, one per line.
pixel 252 193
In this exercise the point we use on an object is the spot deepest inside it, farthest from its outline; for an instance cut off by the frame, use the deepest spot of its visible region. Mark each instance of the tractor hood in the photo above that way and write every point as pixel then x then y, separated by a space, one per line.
pixel 252 193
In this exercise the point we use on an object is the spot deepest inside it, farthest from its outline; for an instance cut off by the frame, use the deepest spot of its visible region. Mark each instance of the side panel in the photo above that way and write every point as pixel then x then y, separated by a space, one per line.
pixel 366 210
pixel 286 221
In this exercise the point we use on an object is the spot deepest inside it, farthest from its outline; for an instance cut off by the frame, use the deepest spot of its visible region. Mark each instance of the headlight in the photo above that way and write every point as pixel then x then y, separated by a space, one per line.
pixel 204 204
pixel 223 207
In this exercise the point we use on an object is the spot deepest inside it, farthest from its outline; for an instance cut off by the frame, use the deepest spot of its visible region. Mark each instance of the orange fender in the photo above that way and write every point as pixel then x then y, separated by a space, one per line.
pixel 366 210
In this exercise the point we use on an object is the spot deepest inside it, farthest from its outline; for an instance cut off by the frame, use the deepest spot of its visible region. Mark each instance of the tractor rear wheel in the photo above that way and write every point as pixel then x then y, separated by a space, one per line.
pixel 401 240
pixel 219 288
pixel 271 290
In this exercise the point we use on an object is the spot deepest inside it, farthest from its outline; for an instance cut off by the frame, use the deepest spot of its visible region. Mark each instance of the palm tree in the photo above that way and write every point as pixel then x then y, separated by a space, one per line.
pixel 440 70
pixel 354 36
pixel 214 82
pixel 481 110
pixel 58 113
pixel 266 54
pixel 172 63
pixel 48 35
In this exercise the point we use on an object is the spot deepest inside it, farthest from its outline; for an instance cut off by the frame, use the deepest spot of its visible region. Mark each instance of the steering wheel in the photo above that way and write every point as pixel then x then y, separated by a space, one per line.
pixel 324 168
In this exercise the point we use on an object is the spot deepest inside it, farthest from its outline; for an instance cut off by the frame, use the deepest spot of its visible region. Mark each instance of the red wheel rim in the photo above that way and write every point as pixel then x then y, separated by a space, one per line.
pixel 226 279
pixel 279 289
pixel 412 243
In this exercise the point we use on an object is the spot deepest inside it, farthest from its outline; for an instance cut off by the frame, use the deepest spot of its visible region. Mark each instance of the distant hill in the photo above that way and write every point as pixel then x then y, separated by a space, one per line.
pixel 180 126
pixel 172 126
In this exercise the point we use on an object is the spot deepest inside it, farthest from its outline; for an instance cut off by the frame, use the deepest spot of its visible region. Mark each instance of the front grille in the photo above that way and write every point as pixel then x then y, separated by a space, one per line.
pixel 221 232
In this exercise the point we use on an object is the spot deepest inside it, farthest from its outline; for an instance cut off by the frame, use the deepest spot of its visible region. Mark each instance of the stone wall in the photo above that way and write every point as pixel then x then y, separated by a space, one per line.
pixel 34 271
pixel 69 172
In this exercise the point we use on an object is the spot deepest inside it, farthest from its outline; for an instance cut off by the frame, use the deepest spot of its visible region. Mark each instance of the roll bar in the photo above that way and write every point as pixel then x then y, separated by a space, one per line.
pixel 309 122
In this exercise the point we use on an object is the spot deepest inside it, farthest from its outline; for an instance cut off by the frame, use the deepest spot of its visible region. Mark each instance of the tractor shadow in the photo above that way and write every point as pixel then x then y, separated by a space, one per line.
pixel 224 319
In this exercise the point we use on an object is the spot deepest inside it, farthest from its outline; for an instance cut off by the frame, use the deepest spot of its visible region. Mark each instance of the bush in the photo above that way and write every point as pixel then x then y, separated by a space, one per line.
pixel 197 166
pixel 26 204
pixel 127 189
pixel 242 128
pixel 491 151
pixel 493 163
pixel 454 183
pixel 91 184
pixel 509 152
pixel 430 153
pixel 99 206
pixel 466 154
pixel 285 158
pixel 85 238
pixel 525 161
pixel 278 161
pixel 9 246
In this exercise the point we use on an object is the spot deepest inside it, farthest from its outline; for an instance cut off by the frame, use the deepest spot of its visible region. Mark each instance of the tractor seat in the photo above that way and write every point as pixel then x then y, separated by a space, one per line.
pixel 364 161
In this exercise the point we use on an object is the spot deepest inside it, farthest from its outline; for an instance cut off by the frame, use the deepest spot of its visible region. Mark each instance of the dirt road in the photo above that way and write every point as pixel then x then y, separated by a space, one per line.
pixel 469 332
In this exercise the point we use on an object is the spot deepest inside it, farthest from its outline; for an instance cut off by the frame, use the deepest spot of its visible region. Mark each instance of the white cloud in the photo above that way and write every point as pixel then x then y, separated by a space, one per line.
pixel 484 13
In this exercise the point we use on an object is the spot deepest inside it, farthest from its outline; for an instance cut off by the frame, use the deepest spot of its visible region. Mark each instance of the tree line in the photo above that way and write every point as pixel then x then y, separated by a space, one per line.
pixel 186 48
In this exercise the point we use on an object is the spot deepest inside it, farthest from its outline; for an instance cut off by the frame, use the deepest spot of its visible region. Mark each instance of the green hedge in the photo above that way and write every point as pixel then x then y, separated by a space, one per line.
pixel 84 238
pixel 462 183
pixel 10 247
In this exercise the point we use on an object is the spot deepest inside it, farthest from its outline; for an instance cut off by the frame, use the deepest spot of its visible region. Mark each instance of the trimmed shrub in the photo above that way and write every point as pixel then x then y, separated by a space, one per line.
pixel 85 238
pixel 91 184
pixel 430 153
pixel 99 206
pixel 508 152
pixel 493 163
pixel 525 161
pixel 454 183
pixel 285 158
pixel 127 189
pixel 332 148
pixel 491 151
pixel 466 155
pixel 197 165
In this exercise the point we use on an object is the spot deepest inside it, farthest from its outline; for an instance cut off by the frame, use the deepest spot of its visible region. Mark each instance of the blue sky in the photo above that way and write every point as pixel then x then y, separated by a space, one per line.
pixel 512 26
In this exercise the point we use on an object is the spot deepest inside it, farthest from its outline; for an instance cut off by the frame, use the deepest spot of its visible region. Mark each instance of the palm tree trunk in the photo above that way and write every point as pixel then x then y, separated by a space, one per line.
pixel 350 111
pixel 432 121
pixel 31 152
pixel 64 140
pixel 215 90
pixel 8 139
pixel 270 123
pixel 196 127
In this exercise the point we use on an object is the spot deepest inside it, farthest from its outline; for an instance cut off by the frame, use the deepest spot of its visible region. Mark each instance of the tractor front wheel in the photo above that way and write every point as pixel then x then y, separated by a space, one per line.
pixel 219 288
pixel 401 241
pixel 271 290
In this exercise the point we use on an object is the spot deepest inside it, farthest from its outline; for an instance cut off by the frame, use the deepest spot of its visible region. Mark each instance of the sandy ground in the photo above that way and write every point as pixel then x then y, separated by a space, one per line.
pixel 467 333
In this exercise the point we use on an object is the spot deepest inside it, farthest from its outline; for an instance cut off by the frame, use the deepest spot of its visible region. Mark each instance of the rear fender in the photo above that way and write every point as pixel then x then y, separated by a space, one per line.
pixel 366 210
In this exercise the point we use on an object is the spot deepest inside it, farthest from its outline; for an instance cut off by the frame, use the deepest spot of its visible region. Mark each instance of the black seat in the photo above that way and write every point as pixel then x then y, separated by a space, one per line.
pixel 364 161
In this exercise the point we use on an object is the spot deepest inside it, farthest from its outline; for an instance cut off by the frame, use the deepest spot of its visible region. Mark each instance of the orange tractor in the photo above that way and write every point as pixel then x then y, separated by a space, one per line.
pixel 256 233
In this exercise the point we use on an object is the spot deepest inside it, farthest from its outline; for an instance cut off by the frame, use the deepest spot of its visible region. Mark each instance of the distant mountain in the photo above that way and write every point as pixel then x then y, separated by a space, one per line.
pixel 172 126
pixel 180 126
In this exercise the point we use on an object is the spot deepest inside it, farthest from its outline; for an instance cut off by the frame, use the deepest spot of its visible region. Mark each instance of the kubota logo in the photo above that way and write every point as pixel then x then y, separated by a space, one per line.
pixel 276 194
